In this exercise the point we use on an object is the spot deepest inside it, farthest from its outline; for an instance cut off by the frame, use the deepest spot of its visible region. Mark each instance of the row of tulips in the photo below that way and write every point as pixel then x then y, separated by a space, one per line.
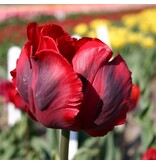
pixel 133 29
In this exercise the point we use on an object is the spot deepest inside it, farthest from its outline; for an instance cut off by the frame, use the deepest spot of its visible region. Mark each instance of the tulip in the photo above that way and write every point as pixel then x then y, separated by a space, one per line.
pixel 134 98
pixel 150 154
pixel 9 94
pixel 72 84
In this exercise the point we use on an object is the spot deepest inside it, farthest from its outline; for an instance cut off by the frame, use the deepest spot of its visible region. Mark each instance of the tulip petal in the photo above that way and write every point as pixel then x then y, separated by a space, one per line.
pixel 46 42
pixel 52 30
pixel 106 86
pixel 84 40
pixel 66 41
pixel 115 92
pixel 86 63
pixel 33 35
pixel 117 118
pixel 62 39
pixel 30 113
pixel 89 57
pixel 57 90
pixel 24 72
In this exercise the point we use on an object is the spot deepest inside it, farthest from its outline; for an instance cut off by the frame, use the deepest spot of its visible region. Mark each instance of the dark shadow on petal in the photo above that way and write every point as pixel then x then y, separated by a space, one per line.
pixel 91 106
pixel 106 99
pixel 115 91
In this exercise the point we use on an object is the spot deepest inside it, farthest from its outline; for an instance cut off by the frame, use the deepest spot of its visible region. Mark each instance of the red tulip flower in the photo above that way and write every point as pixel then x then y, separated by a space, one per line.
pixel 134 98
pixel 150 154
pixel 72 84
pixel 9 94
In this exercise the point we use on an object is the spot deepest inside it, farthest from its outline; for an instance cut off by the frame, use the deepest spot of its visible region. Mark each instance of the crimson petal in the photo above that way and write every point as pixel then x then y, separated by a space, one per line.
pixel 114 91
pixel 24 72
pixel 46 43
pixel 89 57
pixel 54 93
pixel 106 86
pixel 66 41
pixel 59 97
pixel 33 35
pixel 117 118
pixel 52 30
pixel 86 63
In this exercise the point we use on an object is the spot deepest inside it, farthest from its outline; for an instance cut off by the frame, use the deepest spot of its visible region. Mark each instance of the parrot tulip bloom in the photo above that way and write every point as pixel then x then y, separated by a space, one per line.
pixel 72 84
pixel 150 154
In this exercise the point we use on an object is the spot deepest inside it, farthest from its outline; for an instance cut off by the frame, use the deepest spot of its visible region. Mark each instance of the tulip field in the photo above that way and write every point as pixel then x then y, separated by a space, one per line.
pixel 105 93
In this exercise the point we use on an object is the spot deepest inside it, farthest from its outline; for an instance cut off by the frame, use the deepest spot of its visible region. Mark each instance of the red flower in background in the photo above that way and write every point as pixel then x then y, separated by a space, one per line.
pixel 70 83
pixel 9 94
pixel 134 98
pixel 150 154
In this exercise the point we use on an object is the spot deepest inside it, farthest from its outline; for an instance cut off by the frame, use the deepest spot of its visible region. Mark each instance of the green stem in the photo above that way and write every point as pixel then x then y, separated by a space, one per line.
pixel 64 146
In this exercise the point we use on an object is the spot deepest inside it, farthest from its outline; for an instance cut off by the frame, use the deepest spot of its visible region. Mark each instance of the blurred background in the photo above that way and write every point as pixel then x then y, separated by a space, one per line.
pixel 129 30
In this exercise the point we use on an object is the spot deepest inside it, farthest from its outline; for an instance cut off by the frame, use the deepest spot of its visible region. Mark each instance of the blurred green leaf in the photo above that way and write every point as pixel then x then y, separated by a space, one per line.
pixel 10 151
pixel 147 137
pixel 86 154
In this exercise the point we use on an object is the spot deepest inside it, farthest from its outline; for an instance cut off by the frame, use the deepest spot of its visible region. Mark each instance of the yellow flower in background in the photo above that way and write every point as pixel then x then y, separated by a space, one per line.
pixel 94 24
pixel 134 37
pixel 147 14
pixel 116 42
pixel 151 24
pixel 147 21
pixel 153 28
pixel 147 42
pixel 121 31
pixel 117 37
pixel 130 20
pixel 81 29
pixel 144 26
pixel 92 34
pixel 143 23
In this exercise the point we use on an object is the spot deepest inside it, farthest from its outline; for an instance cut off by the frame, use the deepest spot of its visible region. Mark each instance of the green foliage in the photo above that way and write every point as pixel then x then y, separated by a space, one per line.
pixel 99 148
pixel 24 141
